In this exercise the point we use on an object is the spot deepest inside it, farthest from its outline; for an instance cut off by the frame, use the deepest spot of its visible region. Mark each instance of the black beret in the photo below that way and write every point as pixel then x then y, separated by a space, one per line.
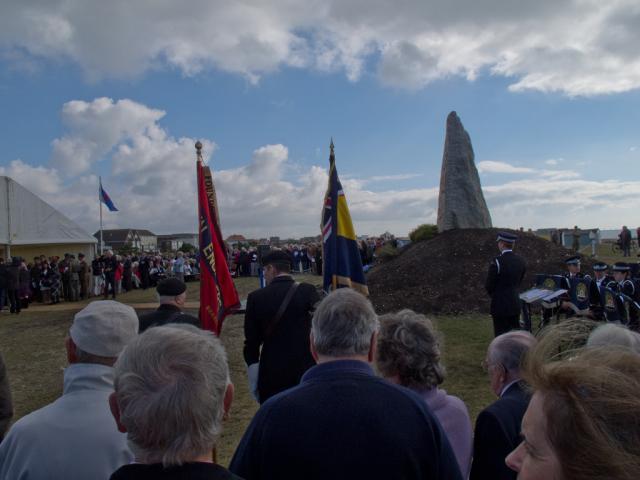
pixel 276 256
pixel 170 287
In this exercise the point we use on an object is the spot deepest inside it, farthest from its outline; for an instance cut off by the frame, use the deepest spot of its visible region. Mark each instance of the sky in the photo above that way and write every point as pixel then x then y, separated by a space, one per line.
pixel 549 92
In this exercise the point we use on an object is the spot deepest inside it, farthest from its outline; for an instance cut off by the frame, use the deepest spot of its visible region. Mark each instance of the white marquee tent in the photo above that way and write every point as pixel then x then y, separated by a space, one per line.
pixel 29 226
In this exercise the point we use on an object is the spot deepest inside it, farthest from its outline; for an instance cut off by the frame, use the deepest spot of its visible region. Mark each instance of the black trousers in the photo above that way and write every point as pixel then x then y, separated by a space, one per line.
pixel 505 323
pixel 109 282
pixel 14 301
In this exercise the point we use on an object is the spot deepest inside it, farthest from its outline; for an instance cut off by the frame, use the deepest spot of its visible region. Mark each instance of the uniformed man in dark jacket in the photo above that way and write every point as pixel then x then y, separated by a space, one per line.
pixel 503 280
pixel 277 323
pixel 172 294
pixel 599 281
pixel 622 275
pixel 13 284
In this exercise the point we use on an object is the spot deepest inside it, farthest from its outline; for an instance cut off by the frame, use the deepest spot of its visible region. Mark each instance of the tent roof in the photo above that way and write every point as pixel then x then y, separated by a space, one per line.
pixel 30 220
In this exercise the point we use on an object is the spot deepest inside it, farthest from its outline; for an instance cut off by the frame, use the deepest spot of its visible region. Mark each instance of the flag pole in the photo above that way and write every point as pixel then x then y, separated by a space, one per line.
pixel 100 202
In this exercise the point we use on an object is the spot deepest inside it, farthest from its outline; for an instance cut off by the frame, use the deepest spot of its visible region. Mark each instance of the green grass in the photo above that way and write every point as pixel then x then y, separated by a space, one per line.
pixel 33 348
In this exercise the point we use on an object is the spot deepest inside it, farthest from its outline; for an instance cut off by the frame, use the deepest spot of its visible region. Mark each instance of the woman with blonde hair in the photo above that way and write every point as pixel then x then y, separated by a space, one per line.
pixel 583 421
pixel 408 354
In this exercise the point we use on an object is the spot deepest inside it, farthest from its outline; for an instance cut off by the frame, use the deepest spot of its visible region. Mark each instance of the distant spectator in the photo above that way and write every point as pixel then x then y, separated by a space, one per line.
pixel 408 354
pixel 4 282
pixel 575 245
pixel 172 296
pixel 178 266
pixel 13 284
pixel 342 421
pixel 497 430
pixel 624 238
pixel 6 404
pixel 24 286
pixel 75 437
pixel 178 375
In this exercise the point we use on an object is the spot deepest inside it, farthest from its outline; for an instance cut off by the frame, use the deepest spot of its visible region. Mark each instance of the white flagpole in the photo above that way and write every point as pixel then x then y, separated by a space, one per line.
pixel 100 202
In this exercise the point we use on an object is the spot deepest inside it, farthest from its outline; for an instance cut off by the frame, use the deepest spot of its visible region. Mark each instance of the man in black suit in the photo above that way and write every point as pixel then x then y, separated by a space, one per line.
pixel 277 323
pixel 505 276
pixel 497 431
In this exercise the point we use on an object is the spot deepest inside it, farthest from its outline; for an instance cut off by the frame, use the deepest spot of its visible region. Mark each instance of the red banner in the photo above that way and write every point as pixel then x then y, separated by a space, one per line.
pixel 218 296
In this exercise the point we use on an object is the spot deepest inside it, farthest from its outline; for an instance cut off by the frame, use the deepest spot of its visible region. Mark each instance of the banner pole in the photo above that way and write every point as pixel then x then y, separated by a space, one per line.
pixel 100 203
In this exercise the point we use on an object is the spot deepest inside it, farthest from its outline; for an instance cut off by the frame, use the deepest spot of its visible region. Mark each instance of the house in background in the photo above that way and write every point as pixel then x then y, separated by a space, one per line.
pixel 173 242
pixel 119 238
pixel 233 240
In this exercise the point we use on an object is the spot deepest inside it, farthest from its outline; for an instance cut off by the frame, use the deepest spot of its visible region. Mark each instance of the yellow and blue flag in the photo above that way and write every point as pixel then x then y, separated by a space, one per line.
pixel 341 261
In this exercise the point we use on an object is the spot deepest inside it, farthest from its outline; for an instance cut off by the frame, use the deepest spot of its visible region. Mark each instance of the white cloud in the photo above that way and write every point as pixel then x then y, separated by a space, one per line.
pixel 490 166
pixel 40 180
pixel 553 161
pixel 96 127
pixel 577 47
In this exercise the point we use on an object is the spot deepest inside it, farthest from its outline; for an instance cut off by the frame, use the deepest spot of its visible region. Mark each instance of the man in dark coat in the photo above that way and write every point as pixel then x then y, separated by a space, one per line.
pixel 342 421
pixel 503 280
pixel 497 431
pixel 4 281
pixel 13 284
pixel 110 265
pixel 276 350
pixel 172 294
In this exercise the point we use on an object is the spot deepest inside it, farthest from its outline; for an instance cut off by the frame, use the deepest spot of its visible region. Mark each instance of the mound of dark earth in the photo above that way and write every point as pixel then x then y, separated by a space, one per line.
pixel 447 273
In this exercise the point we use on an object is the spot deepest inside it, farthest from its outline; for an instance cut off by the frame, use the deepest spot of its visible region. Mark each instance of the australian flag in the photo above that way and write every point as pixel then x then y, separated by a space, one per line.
pixel 342 265
pixel 106 199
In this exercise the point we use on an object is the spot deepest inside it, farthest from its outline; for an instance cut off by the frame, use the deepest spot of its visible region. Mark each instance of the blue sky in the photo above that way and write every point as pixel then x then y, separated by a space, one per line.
pixel 553 116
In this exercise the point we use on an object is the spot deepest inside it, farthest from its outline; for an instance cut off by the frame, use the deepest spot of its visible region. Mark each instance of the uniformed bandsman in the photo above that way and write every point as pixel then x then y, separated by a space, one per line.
pixel 505 275
pixel 600 280
pixel 621 274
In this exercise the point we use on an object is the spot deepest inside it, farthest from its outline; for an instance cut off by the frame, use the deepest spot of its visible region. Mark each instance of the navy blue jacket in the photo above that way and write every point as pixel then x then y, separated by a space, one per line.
pixel 497 434
pixel 503 281
pixel 343 422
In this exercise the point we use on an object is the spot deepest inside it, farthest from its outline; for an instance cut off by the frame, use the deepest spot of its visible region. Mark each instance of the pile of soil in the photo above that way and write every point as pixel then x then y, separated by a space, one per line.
pixel 447 273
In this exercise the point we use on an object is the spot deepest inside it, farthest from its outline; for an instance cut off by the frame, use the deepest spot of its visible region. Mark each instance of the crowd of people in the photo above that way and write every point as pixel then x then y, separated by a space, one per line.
pixel 70 279
pixel 343 393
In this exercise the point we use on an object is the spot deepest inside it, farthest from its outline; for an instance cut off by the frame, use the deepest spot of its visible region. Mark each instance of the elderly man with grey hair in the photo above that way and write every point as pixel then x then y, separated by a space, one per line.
pixel 497 431
pixel 75 437
pixel 172 390
pixel 342 421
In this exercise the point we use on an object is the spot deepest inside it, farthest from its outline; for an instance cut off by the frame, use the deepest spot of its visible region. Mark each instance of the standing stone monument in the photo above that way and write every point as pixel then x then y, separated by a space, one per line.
pixel 461 203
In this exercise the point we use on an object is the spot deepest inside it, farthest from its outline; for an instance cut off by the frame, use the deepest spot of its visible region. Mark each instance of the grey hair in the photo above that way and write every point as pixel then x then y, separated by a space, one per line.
pixel 343 324
pixel 509 349
pixel 611 334
pixel 170 385
pixel 408 347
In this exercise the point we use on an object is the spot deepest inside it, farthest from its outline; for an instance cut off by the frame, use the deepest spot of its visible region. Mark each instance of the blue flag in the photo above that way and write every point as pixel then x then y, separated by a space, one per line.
pixel 342 264
pixel 106 199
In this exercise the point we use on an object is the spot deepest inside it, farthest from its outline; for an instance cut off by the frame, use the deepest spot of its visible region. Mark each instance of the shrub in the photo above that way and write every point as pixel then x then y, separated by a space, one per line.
pixel 426 231
pixel 387 252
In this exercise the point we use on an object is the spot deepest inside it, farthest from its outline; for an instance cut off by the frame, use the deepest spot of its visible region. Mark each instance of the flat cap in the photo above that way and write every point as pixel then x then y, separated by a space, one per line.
pixel 171 287
pixel 574 260
pixel 104 328
pixel 506 237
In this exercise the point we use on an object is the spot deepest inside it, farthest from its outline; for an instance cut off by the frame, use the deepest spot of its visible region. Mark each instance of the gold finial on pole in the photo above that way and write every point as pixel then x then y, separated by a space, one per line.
pixel 199 150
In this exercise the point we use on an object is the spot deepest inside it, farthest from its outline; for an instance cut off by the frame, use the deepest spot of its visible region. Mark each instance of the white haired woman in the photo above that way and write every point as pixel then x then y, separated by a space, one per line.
pixel 172 390
pixel 408 354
